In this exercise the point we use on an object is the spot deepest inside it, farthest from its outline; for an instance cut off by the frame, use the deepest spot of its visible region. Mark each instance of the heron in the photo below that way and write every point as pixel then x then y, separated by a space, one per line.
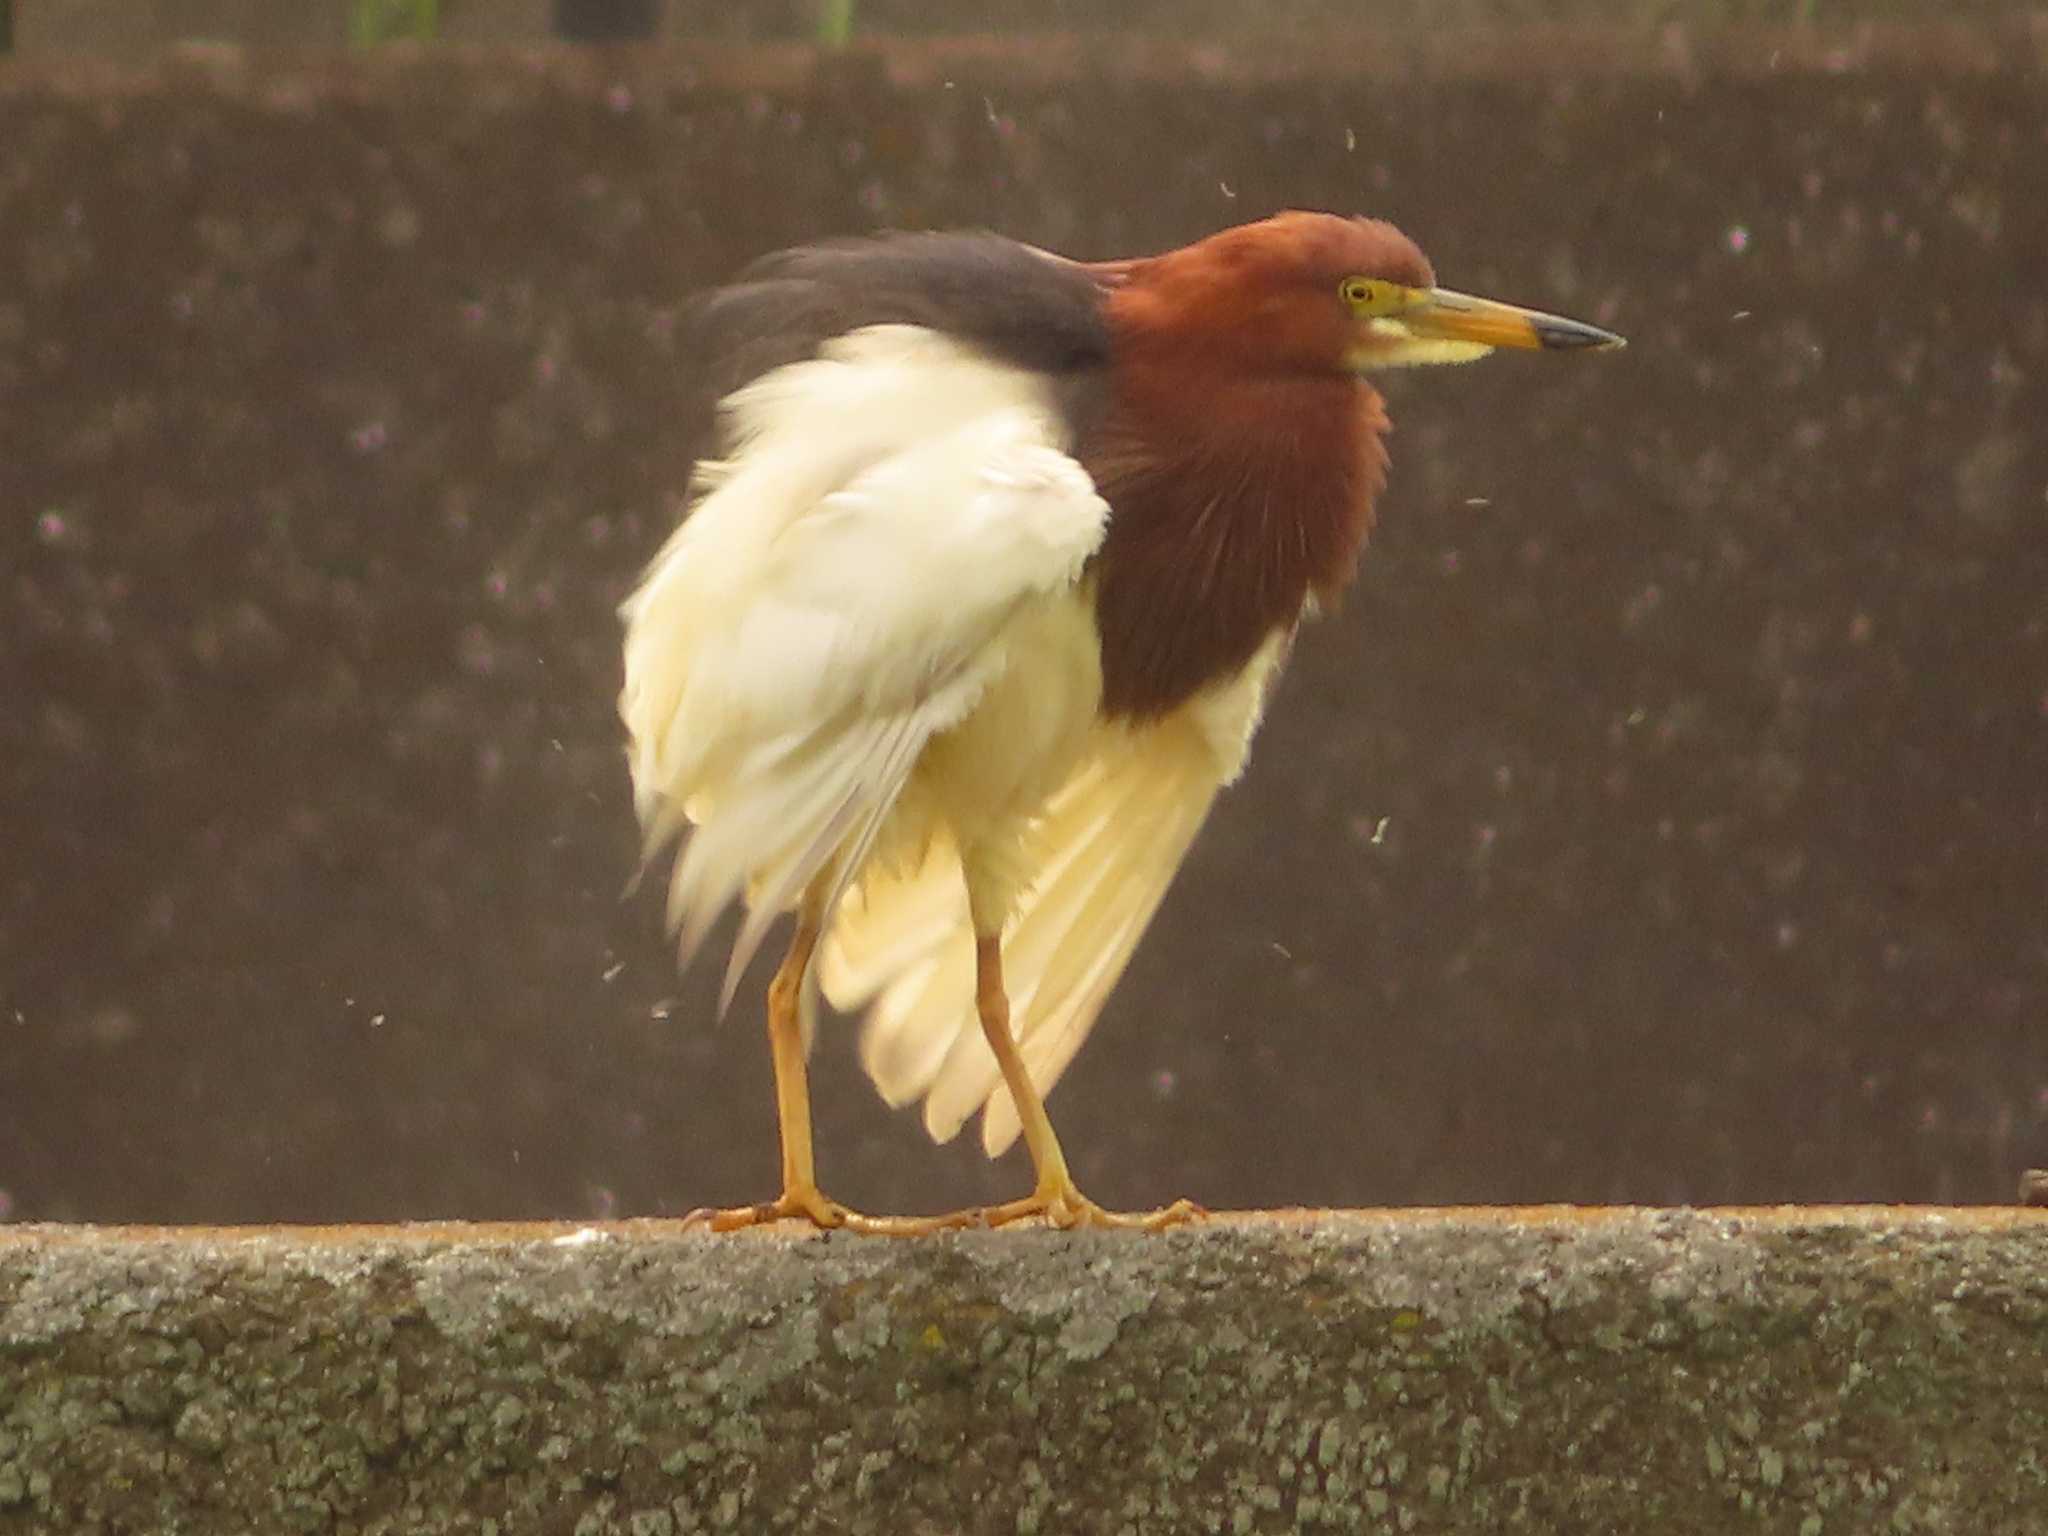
pixel 973 613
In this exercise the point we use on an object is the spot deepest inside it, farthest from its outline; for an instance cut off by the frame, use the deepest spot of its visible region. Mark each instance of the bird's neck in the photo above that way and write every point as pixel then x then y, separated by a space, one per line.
pixel 1233 499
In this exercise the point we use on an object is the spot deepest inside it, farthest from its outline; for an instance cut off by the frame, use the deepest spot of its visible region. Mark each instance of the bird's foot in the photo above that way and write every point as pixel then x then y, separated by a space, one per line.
pixel 828 1215
pixel 1064 1206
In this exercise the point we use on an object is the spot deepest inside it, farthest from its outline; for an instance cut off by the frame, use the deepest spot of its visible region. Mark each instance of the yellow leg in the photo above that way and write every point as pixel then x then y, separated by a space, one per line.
pixel 1056 1196
pixel 801 1198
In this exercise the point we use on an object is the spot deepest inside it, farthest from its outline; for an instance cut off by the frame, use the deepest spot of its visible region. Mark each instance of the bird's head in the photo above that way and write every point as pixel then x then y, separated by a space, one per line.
pixel 1319 293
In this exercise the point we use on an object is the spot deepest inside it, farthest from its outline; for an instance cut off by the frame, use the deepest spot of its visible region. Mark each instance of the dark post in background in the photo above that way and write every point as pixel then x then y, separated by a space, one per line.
pixel 606 21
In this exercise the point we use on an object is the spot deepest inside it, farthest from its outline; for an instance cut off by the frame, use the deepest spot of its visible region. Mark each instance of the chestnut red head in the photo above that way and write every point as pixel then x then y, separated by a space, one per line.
pixel 1319 293
pixel 1266 297
pixel 1241 453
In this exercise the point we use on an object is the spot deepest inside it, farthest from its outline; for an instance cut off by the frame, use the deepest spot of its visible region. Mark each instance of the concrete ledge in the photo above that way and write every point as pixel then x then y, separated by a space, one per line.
pixel 1787 1370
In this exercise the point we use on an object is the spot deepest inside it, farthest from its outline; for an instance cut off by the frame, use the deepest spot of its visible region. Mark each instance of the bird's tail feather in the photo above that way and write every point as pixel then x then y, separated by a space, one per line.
pixel 1109 846
pixel 809 805
pixel 895 918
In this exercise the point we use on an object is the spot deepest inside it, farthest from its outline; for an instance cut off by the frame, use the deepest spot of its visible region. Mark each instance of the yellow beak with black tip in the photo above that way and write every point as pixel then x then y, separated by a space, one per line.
pixel 1441 325
pixel 1445 315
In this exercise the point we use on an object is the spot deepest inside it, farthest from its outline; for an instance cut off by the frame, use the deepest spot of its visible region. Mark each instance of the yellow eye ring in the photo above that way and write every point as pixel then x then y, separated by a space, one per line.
pixel 1375 297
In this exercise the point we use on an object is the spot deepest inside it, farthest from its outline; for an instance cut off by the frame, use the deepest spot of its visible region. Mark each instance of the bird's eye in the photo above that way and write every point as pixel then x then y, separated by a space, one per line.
pixel 1370 295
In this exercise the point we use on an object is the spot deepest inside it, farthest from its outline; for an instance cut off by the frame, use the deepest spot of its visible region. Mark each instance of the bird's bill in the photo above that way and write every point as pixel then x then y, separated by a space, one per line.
pixel 1442 315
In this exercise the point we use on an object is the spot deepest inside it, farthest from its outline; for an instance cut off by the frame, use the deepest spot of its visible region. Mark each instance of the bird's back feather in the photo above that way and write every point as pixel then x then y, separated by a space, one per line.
pixel 994 297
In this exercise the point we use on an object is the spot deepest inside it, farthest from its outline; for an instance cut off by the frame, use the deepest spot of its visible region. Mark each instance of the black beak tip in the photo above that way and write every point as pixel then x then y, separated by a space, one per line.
pixel 1571 335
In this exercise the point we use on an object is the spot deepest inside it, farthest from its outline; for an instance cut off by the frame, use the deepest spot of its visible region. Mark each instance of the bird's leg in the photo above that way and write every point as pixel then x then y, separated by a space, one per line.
pixel 801 1198
pixel 1056 1196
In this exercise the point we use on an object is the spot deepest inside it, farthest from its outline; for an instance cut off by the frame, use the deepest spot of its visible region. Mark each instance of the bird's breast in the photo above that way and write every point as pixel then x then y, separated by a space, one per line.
pixel 1217 537
pixel 989 776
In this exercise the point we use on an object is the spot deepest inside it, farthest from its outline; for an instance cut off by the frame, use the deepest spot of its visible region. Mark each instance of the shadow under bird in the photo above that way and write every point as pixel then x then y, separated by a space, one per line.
pixel 975 614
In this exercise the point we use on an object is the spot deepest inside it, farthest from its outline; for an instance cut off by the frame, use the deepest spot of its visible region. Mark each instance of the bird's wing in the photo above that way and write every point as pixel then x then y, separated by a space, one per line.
pixel 832 603
pixel 1106 849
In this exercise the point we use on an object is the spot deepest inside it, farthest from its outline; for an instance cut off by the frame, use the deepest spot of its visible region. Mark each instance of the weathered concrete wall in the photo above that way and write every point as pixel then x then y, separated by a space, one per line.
pixel 1663 819
pixel 139 28
pixel 1800 1373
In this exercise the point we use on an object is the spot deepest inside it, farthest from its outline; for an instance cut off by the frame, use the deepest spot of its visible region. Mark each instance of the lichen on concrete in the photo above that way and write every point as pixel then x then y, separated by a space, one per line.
pixel 1430 1372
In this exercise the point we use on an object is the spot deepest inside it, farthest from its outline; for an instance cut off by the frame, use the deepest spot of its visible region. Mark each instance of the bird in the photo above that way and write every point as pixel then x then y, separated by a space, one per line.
pixel 973 612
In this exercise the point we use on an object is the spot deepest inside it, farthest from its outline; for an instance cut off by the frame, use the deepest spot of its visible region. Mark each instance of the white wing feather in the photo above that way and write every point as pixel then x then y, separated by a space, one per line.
pixel 836 599
pixel 1107 849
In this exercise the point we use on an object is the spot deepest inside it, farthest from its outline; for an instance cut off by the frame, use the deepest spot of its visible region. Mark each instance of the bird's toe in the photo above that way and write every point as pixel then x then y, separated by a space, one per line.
pixel 1067 1209
pixel 824 1213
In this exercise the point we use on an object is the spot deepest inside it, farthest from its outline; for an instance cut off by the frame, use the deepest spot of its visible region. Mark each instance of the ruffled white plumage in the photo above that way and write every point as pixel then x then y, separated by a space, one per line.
pixel 1105 851
pixel 868 658
pixel 864 566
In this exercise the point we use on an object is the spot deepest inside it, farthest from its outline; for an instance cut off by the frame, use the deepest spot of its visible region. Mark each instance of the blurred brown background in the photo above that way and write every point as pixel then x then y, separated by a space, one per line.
pixel 1664 819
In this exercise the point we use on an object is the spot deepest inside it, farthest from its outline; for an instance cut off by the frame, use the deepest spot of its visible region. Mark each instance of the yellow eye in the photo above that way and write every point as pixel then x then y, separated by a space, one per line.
pixel 1372 295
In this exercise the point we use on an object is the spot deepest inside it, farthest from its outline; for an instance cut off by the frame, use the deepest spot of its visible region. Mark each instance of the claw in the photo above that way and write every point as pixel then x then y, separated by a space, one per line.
pixel 1065 1207
pixel 826 1214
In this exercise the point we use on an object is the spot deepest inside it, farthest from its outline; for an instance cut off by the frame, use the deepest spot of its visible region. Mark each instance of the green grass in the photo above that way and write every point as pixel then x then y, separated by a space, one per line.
pixel 835 23
pixel 371 22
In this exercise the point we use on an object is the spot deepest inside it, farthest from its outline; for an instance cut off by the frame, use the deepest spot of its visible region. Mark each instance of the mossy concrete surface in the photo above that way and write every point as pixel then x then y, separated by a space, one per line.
pixel 1797 1371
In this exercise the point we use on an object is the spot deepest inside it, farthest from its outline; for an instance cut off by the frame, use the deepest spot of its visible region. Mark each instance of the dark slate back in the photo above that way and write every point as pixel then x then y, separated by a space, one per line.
pixel 1016 304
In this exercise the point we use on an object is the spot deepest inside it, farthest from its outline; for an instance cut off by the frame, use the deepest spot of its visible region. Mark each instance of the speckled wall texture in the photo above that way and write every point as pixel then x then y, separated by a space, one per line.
pixel 1630 1373
pixel 1663 819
